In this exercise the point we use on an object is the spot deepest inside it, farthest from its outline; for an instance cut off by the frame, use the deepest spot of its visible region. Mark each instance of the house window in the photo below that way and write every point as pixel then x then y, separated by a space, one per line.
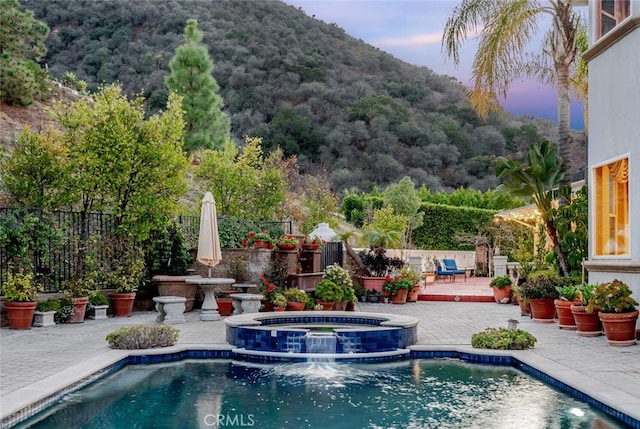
pixel 611 189
pixel 610 13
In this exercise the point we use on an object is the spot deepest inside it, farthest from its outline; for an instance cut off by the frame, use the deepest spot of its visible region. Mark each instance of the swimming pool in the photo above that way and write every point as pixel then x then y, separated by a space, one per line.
pixel 410 393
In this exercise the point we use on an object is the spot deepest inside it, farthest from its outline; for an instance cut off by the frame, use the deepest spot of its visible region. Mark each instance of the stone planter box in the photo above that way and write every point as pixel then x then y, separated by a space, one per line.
pixel 98 312
pixel 42 319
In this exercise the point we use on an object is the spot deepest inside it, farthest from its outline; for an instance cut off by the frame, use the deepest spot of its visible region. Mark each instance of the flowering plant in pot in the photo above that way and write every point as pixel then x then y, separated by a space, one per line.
pixel 268 291
pixel 398 287
pixel 618 312
pixel 287 242
pixel 279 302
pixel 20 293
pixel 340 276
pixel 259 240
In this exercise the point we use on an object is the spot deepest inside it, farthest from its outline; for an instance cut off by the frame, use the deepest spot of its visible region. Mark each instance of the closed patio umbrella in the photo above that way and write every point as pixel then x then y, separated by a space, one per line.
pixel 209 252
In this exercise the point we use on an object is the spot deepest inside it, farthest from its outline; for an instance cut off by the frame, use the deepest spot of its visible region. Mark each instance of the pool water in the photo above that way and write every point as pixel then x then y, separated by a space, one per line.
pixel 433 393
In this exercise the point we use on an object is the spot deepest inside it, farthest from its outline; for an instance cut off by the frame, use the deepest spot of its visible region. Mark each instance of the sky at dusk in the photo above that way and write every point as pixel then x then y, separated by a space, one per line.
pixel 412 31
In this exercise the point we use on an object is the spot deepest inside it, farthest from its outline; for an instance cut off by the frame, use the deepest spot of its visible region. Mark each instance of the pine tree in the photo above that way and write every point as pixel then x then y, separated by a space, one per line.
pixel 191 67
pixel 21 45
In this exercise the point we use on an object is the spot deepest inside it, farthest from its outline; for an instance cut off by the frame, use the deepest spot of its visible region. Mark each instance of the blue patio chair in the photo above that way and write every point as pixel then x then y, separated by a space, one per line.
pixel 450 268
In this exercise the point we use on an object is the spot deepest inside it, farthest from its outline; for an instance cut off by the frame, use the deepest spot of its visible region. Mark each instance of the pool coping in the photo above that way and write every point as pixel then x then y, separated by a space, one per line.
pixel 28 401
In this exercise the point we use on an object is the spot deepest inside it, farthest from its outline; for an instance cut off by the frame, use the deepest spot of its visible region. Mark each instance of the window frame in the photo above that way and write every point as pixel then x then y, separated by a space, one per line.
pixel 621 10
pixel 594 215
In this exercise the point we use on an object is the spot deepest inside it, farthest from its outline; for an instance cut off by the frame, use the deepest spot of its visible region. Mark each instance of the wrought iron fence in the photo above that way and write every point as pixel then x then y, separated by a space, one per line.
pixel 332 252
pixel 56 254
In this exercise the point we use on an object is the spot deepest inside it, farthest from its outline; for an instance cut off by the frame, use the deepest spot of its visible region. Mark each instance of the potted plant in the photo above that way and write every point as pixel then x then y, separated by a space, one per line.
pixel 287 242
pixel 540 290
pixel 373 296
pixel 20 293
pixel 66 311
pixel 397 287
pixel 97 308
pixel 569 295
pixel 523 303
pixel 168 260
pixel 124 273
pixel 618 312
pixel 259 240
pixel 411 274
pixel 340 277
pixel 268 291
pixel 501 289
pixel 45 312
pixel 77 290
pixel 296 299
pixel 361 292
pixel 328 293
pixel 279 302
pixel 377 265
pixel 311 243
pixel 225 303
pixel 587 322
pixel 430 270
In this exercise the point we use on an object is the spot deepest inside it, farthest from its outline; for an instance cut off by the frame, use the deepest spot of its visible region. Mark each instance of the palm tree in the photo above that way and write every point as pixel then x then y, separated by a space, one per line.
pixel 506 28
pixel 539 181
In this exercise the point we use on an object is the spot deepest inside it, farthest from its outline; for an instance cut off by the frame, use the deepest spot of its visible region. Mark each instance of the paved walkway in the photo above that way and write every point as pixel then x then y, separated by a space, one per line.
pixel 38 362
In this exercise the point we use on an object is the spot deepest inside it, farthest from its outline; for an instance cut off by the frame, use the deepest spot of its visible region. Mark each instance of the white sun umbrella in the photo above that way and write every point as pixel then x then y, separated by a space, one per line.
pixel 209 252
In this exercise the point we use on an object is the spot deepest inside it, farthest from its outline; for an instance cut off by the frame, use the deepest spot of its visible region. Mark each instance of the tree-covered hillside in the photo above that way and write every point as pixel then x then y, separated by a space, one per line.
pixel 341 105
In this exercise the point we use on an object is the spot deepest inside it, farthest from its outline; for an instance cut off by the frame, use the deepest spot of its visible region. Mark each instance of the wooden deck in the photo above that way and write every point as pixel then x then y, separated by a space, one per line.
pixel 475 289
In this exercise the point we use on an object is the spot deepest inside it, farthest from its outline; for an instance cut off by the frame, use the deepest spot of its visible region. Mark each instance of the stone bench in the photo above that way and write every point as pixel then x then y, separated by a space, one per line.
pixel 246 302
pixel 170 309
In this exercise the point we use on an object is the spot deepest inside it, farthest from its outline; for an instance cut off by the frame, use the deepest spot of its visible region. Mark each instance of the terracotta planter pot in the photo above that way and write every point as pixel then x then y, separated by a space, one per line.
pixel 542 310
pixel 373 283
pixel 122 303
pixel 351 306
pixel 587 324
pixel 79 309
pixel 340 306
pixel 412 295
pixel 260 244
pixel 310 246
pixel 225 306
pixel 502 296
pixel 525 309
pixel 565 315
pixel 620 328
pixel 268 306
pixel 327 305
pixel 295 306
pixel 287 246
pixel 20 314
pixel 177 286
pixel 279 308
pixel 400 297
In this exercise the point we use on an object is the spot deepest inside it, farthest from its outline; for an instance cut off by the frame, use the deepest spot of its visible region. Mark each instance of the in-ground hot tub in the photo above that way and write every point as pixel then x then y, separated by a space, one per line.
pixel 304 335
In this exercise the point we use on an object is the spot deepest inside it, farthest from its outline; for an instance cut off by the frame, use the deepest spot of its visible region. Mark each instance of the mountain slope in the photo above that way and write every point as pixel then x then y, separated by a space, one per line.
pixel 339 104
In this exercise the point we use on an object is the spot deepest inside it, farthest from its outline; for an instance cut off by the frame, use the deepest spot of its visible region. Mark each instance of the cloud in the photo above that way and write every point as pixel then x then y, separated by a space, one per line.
pixel 418 40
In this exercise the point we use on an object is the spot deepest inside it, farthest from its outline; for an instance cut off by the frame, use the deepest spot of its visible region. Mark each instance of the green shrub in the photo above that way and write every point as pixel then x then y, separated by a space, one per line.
pixel 501 282
pixel 503 339
pixel 51 304
pixel 328 291
pixel 98 299
pixel 142 337
pixel 65 311
pixel 295 295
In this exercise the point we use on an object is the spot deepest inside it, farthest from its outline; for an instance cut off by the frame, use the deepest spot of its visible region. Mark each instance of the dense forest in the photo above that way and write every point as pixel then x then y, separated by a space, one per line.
pixel 342 106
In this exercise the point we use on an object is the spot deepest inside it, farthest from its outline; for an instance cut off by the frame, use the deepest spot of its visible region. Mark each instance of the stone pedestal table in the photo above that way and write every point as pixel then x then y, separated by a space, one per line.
pixel 209 310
